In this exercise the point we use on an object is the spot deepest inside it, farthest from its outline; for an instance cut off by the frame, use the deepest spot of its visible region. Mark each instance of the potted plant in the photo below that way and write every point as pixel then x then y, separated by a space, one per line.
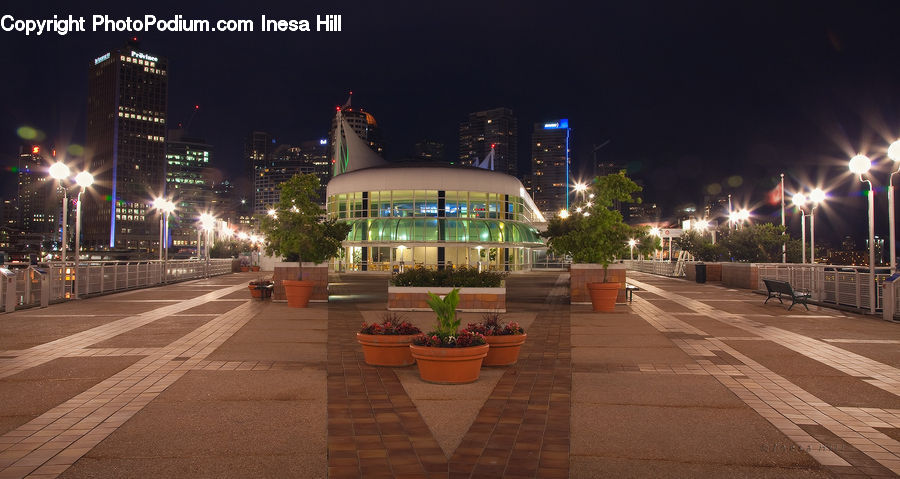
pixel 296 229
pixel 245 264
pixel 596 233
pixel 505 340
pixel 446 355
pixel 261 288
pixel 387 343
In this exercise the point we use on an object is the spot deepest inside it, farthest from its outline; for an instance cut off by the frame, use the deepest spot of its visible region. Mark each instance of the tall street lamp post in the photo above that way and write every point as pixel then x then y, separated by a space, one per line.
pixel 59 171
pixel 894 155
pixel 816 196
pixel 84 180
pixel 631 244
pixel 165 208
pixel 860 165
pixel 207 222
pixel 799 201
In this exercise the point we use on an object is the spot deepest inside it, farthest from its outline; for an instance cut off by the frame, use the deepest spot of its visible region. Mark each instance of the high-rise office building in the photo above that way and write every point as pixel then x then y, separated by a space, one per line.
pixel 497 129
pixel 431 151
pixel 37 206
pixel 258 149
pixel 9 214
pixel 550 163
pixel 125 148
pixel 286 162
pixel 187 185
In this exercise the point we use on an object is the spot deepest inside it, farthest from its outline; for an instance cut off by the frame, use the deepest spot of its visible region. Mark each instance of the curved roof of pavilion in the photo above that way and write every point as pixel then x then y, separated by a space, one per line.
pixel 422 176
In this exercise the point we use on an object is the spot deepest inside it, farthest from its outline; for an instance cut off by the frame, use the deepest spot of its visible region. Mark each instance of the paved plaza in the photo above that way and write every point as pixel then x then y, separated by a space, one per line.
pixel 196 380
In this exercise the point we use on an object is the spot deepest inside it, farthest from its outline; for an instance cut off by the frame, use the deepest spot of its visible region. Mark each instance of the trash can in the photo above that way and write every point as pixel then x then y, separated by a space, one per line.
pixel 700 272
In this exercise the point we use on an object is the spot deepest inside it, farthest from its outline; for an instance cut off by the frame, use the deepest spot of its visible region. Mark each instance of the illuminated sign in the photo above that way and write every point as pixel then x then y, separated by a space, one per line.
pixel 556 125
pixel 323 141
pixel 35 149
pixel 144 56
pixel 101 58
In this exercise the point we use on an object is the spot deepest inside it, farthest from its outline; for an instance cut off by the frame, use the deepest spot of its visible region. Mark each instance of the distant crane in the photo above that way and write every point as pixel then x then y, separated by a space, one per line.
pixel 186 123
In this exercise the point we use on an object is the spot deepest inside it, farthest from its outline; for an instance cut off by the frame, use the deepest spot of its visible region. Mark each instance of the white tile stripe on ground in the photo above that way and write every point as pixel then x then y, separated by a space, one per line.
pixel 53 441
pixel 61 347
pixel 883 376
pixel 781 402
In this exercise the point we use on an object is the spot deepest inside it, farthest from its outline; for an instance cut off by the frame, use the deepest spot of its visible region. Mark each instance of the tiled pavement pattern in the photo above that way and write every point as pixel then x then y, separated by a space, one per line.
pixel 631 408
pixel 51 443
pixel 522 430
pixel 844 439
pixel 64 346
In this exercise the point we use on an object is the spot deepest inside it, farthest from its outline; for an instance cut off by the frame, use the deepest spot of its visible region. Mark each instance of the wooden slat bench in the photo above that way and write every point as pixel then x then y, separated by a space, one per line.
pixel 780 289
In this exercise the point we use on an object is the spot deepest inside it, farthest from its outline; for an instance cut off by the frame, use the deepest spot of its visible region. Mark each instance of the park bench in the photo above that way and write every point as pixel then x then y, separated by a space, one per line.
pixel 629 291
pixel 780 289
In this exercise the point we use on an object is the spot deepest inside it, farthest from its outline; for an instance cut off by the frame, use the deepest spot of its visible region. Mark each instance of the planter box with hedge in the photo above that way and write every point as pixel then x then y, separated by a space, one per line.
pixel 478 292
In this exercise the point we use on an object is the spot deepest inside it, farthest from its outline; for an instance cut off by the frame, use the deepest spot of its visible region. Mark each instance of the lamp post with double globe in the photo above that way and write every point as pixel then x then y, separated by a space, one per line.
pixel 860 165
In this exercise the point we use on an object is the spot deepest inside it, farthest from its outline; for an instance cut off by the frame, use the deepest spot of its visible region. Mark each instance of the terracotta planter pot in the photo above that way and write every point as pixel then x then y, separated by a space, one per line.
pixel 603 296
pixel 386 349
pixel 254 268
pixel 297 292
pixel 256 293
pixel 504 349
pixel 244 269
pixel 449 365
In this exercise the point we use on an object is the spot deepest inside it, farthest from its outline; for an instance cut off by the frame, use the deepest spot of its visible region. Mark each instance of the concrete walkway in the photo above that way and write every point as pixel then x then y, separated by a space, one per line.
pixel 196 380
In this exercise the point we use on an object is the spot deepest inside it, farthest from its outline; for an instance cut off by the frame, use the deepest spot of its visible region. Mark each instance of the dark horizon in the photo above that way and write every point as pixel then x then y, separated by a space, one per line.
pixel 691 97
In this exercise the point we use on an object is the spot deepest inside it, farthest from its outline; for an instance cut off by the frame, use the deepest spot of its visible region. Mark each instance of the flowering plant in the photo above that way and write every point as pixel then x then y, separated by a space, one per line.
pixel 492 325
pixel 391 324
pixel 446 335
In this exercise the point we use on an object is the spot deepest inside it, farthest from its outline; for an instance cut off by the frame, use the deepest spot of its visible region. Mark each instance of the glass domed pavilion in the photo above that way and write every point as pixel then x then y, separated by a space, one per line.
pixel 425 214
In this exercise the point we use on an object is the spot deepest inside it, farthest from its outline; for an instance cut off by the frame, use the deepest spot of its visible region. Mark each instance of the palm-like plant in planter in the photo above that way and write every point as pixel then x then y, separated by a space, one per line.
pixel 598 234
pixel 297 229
pixel 447 355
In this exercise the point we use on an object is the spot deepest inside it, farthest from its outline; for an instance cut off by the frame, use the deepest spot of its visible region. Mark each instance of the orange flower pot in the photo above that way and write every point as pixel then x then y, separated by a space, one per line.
pixel 504 349
pixel 244 269
pixel 449 365
pixel 297 292
pixel 254 268
pixel 386 349
pixel 603 296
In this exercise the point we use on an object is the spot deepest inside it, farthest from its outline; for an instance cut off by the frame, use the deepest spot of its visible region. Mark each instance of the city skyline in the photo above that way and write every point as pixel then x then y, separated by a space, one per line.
pixel 692 99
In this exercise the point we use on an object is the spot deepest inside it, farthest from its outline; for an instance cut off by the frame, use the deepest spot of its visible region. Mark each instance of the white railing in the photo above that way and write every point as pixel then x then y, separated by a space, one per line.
pixel 53 282
pixel 662 268
pixel 829 284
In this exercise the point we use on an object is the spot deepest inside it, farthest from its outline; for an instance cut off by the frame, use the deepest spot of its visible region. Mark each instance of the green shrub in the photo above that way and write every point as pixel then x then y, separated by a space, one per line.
pixel 457 277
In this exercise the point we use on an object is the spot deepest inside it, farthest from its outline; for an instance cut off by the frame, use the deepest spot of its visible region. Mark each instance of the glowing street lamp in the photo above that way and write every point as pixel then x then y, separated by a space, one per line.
pixel 631 244
pixel 563 213
pixel 60 171
pixel 799 201
pixel 860 165
pixel 894 155
pixel 84 180
pixel 655 231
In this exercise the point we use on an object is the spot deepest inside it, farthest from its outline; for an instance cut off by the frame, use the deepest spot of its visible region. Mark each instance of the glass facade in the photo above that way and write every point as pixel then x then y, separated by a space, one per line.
pixel 435 228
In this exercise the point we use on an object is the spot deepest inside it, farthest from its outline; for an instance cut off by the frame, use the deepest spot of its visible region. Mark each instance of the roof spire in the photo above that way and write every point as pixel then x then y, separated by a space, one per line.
pixel 349 100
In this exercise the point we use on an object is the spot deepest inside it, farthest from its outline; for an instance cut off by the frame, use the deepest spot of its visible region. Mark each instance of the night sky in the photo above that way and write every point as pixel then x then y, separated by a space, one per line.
pixel 688 94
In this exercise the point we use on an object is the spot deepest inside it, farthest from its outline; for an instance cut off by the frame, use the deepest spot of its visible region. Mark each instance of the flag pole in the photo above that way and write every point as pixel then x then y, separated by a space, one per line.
pixel 783 242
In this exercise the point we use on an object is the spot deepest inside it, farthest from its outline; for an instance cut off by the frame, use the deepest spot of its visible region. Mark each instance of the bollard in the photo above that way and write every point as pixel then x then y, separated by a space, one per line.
pixel 888 297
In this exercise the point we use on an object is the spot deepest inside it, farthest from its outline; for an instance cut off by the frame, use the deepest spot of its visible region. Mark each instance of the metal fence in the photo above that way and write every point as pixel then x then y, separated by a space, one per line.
pixel 663 268
pixel 53 282
pixel 848 286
